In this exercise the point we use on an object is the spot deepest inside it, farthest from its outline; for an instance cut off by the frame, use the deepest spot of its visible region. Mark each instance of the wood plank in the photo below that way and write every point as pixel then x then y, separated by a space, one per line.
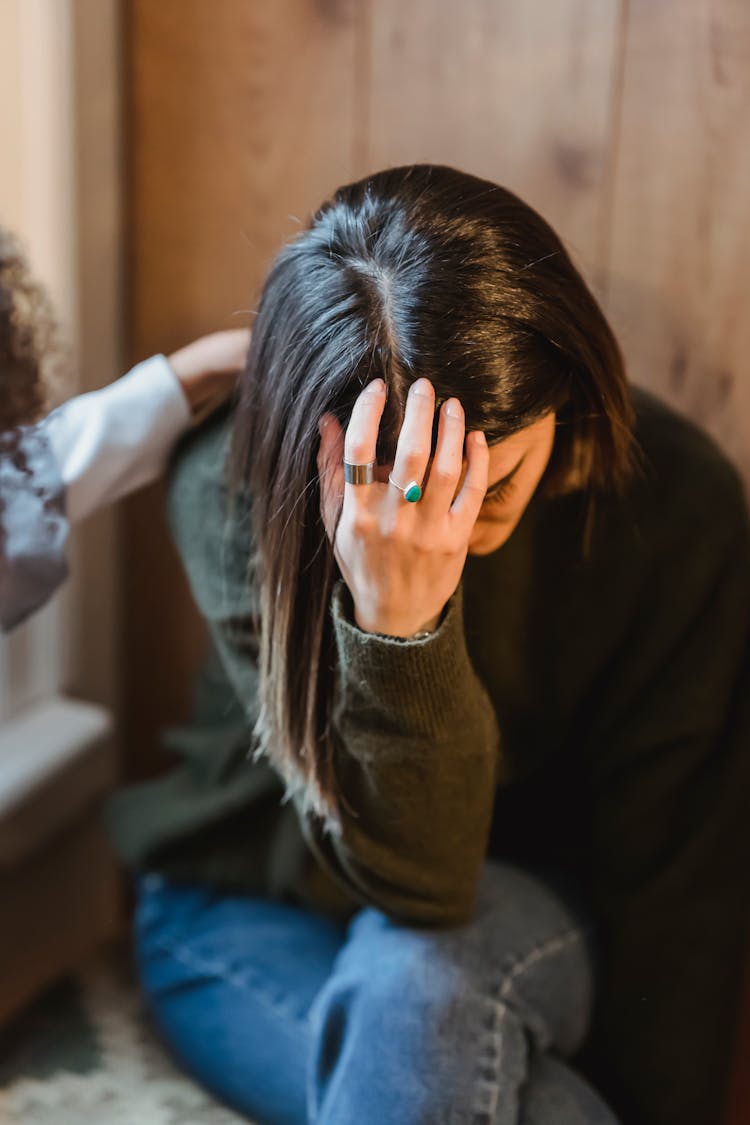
pixel 241 116
pixel 680 262
pixel 241 120
pixel 521 92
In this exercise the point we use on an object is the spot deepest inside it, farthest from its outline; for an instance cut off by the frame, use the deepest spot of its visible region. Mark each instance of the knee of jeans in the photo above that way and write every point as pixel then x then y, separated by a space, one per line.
pixel 552 991
pixel 402 1000
pixel 539 964
pixel 385 969
pixel 391 967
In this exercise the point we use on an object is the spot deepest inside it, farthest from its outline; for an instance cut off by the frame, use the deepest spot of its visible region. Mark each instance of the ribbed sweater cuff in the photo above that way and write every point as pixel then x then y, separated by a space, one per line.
pixel 421 679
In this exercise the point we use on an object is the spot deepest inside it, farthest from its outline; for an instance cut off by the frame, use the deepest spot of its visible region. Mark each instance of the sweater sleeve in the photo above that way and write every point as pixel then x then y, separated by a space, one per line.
pixel 670 772
pixel 417 749
pixel 112 441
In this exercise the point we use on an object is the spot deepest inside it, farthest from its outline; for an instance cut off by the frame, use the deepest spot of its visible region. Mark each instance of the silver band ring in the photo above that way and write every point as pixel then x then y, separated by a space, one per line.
pixel 359 474
pixel 412 491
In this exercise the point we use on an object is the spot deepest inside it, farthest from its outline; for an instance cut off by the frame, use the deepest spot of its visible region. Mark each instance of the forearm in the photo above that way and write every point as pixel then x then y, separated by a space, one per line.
pixel 112 441
pixel 417 747
pixel 89 452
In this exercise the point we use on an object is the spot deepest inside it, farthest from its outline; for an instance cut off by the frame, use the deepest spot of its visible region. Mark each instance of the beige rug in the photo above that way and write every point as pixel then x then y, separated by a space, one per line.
pixel 85 1054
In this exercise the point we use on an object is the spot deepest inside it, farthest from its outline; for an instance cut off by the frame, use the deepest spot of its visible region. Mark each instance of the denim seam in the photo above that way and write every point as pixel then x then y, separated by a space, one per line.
pixel 485 1114
pixel 493 1057
pixel 546 949
pixel 187 957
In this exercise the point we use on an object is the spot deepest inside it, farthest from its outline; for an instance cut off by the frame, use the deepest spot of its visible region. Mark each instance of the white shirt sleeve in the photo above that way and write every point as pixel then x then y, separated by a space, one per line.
pixel 110 442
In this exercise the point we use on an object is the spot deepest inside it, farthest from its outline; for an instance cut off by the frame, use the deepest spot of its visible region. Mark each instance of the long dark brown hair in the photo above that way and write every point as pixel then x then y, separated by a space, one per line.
pixel 417 270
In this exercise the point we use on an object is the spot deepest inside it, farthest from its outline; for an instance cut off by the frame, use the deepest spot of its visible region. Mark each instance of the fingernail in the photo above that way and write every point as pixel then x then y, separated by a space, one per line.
pixel 376 385
pixel 453 408
pixel 422 387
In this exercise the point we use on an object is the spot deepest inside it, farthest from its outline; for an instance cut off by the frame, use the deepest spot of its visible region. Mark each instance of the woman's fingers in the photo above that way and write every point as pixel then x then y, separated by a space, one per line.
pixel 447 464
pixel 357 445
pixel 362 432
pixel 465 508
pixel 330 471
pixel 401 568
pixel 415 439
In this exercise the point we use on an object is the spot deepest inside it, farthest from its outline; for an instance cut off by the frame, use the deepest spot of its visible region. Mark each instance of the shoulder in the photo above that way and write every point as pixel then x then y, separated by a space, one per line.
pixel 683 481
pixel 210 524
pixel 199 465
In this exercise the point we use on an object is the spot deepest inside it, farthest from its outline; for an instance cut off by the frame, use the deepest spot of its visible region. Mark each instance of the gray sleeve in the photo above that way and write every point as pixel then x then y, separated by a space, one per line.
pixel 33 525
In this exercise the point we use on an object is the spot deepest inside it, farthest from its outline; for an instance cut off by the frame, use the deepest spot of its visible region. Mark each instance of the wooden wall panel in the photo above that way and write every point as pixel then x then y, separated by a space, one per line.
pixel 521 93
pixel 680 262
pixel 241 119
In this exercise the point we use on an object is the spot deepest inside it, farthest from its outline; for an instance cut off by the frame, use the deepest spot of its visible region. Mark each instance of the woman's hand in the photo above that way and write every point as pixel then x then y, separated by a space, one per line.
pixel 208 368
pixel 402 561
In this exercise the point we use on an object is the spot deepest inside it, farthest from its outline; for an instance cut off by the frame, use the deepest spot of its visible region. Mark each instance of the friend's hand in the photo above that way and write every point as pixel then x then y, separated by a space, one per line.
pixel 208 368
pixel 402 561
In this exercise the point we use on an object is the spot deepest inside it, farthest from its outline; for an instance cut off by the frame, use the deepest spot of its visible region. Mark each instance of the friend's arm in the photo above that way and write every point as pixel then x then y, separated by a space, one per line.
pixel 89 452
pixel 113 441
pixel 93 450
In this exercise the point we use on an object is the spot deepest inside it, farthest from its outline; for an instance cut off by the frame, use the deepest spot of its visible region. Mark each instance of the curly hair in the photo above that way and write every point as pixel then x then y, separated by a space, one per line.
pixel 32 359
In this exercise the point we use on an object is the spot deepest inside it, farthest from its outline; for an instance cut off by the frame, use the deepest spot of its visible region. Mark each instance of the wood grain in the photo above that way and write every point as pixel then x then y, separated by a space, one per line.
pixel 520 93
pixel 679 270
pixel 241 119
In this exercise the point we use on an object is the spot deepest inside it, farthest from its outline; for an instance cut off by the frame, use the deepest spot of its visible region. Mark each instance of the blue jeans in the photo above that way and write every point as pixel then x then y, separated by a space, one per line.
pixel 291 1018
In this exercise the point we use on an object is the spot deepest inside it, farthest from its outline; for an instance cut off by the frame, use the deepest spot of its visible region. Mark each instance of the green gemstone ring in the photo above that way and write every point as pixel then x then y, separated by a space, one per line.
pixel 412 491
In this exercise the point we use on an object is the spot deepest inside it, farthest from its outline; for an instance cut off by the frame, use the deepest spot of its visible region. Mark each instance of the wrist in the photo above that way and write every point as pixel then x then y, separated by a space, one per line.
pixel 193 385
pixel 200 393
pixel 401 630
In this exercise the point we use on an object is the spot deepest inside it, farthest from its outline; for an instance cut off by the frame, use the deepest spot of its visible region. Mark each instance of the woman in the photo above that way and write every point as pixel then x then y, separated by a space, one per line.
pixel 57 470
pixel 493 648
